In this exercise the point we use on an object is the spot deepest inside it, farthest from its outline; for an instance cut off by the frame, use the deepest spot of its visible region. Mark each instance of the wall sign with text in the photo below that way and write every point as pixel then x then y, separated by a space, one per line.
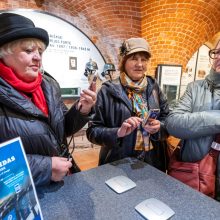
pixel 69 49
pixel 169 77
pixel 197 68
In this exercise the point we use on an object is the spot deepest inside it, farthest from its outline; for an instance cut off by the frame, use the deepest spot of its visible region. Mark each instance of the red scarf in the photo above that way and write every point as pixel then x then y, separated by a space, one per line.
pixel 26 88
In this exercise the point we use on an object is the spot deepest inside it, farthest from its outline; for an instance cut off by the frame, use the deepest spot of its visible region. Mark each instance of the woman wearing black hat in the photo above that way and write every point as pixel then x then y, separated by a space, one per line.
pixel 30 103
pixel 122 107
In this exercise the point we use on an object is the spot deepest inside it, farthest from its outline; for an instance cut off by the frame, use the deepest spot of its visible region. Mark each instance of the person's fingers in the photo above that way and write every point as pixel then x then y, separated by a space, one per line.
pixel 69 164
pixel 79 105
pixel 88 92
pixel 92 87
pixel 63 163
pixel 154 123
pixel 88 99
pixel 63 158
pixel 126 123
pixel 70 159
pixel 128 126
pixel 153 127
pixel 133 121
pixel 124 130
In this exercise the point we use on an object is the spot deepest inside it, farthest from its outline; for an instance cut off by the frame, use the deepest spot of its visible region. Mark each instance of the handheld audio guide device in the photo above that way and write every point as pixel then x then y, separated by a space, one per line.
pixel 152 114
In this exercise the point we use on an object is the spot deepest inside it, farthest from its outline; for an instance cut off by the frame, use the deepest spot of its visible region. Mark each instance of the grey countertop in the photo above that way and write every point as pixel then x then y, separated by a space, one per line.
pixel 85 196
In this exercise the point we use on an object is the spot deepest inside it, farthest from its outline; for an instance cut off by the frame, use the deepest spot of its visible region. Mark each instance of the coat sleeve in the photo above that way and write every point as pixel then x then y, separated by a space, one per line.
pixel 74 120
pixel 97 132
pixel 185 123
pixel 41 169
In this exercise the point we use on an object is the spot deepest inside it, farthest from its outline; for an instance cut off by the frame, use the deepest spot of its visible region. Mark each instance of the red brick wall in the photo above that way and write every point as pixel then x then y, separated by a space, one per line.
pixel 175 29
pixel 106 22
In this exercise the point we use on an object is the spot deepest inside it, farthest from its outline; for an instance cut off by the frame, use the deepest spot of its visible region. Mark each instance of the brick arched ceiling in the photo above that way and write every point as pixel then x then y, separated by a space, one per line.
pixel 176 29
pixel 106 22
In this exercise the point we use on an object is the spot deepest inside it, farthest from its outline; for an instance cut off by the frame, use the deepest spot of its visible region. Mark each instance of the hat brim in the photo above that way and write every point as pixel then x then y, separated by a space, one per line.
pixel 139 49
pixel 21 33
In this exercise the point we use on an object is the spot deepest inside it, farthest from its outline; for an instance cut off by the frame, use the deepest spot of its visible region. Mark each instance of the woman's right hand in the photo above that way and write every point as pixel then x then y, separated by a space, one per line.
pixel 128 126
pixel 87 99
pixel 60 167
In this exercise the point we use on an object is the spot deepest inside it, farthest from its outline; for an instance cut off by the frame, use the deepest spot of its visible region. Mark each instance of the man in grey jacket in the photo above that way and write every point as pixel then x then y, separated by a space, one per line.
pixel 196 118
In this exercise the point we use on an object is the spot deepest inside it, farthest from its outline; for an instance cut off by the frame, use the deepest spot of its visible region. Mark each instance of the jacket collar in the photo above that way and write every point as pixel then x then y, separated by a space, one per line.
pixel 116 89
pixel 15 100
pixel 213 80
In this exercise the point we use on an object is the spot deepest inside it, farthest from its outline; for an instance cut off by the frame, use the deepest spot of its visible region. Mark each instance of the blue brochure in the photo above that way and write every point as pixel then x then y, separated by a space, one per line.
pixel 18 198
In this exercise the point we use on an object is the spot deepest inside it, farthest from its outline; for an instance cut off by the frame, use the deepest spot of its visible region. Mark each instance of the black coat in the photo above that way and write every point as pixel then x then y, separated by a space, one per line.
pixel 42 136
pixel 112 108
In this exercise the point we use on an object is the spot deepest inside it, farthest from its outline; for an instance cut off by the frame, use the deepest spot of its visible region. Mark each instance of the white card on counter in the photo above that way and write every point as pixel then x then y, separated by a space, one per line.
pixel 120 184
pixel 154 209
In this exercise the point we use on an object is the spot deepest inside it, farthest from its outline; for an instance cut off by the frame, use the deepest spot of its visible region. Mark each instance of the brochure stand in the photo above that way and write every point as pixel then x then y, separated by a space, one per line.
pixel 18 198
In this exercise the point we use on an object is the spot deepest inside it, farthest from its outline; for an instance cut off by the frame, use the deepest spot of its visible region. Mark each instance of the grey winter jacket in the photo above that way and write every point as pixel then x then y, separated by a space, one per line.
pixel 196 118
pixel 111 109
pixel 42 136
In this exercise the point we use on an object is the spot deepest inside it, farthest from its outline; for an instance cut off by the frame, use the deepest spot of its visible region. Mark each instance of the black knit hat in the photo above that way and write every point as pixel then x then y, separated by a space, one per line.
pixel 14 26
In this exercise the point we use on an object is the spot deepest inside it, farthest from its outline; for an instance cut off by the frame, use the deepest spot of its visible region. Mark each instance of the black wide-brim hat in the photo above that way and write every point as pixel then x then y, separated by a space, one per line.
pixel 14 27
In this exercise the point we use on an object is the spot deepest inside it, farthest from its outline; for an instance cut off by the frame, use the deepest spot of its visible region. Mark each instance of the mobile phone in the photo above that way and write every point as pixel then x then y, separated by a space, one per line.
pixel 152 114
pixel 93 80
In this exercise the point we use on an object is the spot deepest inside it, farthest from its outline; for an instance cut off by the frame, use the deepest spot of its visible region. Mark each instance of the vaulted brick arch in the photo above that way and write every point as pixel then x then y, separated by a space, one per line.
pixel 108 23
pixel 175 29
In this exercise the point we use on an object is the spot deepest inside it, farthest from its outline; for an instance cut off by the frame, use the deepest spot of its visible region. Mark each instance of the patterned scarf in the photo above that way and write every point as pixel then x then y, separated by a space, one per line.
pixel 31 88
pixel 135 92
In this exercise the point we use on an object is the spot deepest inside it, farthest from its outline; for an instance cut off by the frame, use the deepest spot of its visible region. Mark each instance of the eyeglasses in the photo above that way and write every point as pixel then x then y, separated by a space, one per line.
pixel 213 54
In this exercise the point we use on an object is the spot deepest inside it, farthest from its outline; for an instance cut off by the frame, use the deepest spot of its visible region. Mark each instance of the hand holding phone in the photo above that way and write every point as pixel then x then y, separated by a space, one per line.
pixel 152 114
pixel 86 93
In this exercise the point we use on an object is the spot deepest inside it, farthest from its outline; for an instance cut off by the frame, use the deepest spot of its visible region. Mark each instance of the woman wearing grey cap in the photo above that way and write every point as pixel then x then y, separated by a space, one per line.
pixel 30 102
pixel 121 107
